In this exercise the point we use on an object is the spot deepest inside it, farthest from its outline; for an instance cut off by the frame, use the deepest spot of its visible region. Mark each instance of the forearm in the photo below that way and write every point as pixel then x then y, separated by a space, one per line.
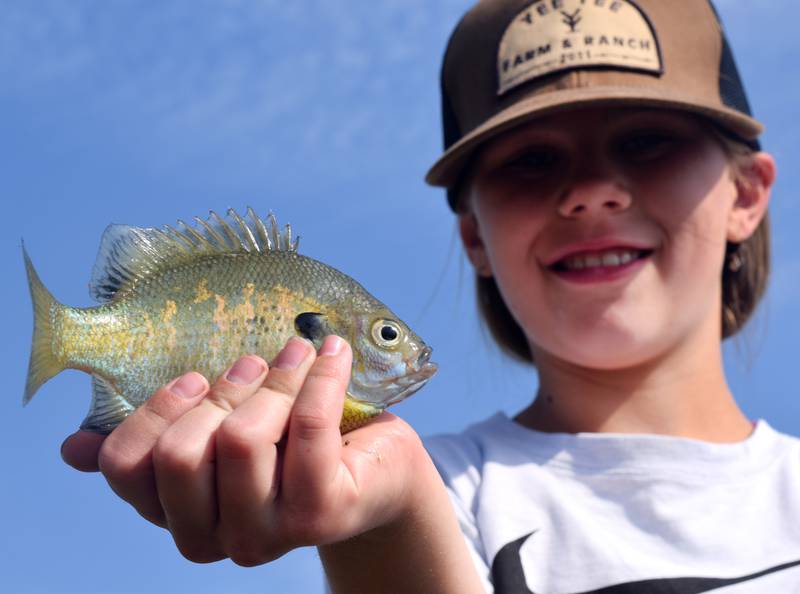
pixel 423 551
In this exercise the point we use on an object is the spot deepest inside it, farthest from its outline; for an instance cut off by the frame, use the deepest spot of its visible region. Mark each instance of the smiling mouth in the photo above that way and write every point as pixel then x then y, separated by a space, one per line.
pixel 608 259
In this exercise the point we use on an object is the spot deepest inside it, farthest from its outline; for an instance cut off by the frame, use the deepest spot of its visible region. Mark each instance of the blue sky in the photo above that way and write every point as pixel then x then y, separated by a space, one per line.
pixel 327 114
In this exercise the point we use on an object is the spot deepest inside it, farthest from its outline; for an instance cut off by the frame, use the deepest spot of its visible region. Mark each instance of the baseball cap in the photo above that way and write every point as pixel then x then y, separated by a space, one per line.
pixel 509 61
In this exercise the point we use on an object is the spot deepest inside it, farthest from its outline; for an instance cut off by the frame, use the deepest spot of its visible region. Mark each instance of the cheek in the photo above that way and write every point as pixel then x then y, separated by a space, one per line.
pixel 510 231
pixel 696 190
pixel 697 227
pixel 692 208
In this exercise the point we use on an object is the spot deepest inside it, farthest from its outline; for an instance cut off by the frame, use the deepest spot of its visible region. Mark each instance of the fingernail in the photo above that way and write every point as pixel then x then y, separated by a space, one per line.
pixel 189 385
pixel 245 371
pixel 332 345
pixel 292 355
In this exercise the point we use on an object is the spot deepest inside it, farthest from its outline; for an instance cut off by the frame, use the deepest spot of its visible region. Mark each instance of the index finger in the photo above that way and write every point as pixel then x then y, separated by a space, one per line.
pixel 313 446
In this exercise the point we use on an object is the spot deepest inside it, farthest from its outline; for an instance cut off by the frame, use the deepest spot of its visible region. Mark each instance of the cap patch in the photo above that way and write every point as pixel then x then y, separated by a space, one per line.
pixel 553 35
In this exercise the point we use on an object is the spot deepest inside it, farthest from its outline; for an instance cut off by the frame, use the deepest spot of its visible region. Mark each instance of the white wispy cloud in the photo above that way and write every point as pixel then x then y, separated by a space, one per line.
pixel 255 82
pixel 228 69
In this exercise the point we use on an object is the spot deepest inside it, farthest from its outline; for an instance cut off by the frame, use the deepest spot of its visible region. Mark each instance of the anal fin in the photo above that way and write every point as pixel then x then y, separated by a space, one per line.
pixel 109 408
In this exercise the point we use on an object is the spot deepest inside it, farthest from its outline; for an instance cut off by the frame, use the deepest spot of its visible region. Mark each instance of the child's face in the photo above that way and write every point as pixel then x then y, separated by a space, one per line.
pixel 605 230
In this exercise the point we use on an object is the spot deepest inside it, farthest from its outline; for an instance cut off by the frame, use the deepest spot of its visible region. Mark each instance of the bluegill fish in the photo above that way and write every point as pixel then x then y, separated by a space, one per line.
pixel 202 296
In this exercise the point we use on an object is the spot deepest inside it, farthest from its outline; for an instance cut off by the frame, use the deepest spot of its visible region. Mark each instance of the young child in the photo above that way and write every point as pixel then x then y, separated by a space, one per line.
pixel 611 195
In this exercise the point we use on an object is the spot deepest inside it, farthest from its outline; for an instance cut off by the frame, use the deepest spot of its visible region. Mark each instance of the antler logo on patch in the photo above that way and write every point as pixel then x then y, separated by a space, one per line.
pixel 555 35
pixel 571 20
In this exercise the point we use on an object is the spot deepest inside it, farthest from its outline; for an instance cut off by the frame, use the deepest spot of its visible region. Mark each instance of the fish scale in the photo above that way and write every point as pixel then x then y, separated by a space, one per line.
pixel 199 299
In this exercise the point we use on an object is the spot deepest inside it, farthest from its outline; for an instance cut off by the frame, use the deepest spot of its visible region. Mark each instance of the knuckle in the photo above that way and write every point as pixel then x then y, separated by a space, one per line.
pixel 154 516
pixel 246 552
pixel 198 552
pixel 249 548
pixel 224 401
pixel 327 372
pixel 253 558
pixel 247 560
pixel 237 436
pixel 177 456
pixel 282 383
pixel 161 409
pixel 116 462
pixel 227 395
pixel 309 422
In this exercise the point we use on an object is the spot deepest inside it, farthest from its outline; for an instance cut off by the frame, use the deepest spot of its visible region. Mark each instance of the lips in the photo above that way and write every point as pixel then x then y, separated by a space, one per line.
pixel 599 260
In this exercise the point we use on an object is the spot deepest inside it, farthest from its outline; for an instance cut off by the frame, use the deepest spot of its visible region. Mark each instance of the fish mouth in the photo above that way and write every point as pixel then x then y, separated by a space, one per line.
pixel 394 389
pixel 424 357
pixel 413 381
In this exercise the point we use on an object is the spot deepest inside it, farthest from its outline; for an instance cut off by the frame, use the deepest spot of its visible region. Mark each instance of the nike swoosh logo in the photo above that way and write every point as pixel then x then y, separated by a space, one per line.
pixel 509 578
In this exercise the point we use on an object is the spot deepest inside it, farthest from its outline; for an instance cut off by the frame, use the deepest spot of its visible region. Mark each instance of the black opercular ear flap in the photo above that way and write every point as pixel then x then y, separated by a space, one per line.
pixel 313 326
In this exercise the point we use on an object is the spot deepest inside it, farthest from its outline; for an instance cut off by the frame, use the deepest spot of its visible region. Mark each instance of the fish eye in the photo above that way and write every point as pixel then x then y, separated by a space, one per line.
pixel 386 333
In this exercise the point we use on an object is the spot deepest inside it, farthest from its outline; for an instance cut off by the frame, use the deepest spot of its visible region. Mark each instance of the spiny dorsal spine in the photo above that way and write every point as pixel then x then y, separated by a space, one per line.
pixel 130 254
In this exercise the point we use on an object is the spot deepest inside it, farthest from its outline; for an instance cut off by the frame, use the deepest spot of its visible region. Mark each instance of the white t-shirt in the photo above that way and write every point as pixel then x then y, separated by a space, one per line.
pixel 625 514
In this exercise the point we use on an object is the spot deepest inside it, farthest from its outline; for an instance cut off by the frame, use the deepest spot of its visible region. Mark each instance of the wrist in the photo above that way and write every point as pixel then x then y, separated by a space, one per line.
pixel 418 548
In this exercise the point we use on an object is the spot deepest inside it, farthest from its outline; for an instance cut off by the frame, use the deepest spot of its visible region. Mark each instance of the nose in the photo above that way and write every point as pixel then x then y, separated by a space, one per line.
pixel 592 197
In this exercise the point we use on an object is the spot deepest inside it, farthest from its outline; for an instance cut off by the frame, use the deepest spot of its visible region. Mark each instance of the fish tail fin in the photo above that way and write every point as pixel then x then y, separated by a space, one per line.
pixel 44 364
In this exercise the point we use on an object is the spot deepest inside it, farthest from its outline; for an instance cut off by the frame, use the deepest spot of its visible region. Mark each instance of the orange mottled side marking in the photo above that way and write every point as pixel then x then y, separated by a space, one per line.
pixel 278 307
pixel 232 318
pixel 140 341
pixel 237 313
pixel 220 318
pixel 170 331
pixel 216 340
pixel 245 311
pixel 87 337
pixel 169 311
pixel 201 292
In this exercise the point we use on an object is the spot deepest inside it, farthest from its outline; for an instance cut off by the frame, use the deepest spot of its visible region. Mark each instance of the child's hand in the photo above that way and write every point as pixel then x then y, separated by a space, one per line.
pixel 255 466
pixel 215 471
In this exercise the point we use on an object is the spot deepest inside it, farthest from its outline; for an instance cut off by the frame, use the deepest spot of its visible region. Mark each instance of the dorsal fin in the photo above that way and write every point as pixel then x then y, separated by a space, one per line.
pixel 129 254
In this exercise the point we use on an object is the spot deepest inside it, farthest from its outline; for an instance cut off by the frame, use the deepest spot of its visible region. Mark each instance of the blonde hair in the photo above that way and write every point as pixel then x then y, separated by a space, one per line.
pixel 744 275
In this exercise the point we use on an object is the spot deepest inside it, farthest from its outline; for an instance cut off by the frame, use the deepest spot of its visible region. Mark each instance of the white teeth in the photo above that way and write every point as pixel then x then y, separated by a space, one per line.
pixel 609 258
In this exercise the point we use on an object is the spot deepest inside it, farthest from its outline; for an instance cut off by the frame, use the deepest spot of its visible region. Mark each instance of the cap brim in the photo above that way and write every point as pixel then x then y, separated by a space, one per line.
pixel 447 170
